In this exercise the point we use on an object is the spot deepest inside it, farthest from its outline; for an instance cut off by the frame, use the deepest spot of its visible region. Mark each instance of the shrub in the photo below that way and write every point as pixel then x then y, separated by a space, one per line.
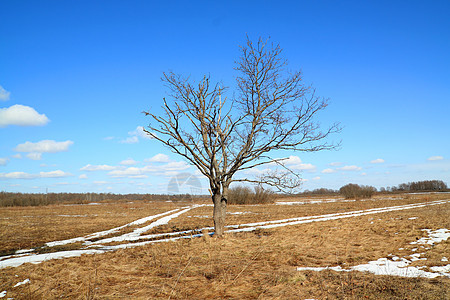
pixel 355 191
pixel 245 195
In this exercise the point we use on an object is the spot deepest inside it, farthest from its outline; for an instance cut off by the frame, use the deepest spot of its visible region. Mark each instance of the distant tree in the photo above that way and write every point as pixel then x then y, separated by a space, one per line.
pixel 320 191
pixel 425 185
pixel 355 191
pixel 271 110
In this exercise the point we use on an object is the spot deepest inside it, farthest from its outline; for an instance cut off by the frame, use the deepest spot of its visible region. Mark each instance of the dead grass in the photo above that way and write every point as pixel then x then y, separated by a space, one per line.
pixel 30 227
pixel 254 265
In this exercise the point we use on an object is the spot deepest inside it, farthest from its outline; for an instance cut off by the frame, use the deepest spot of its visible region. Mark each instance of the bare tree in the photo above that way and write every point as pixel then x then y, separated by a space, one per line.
pixel 272 109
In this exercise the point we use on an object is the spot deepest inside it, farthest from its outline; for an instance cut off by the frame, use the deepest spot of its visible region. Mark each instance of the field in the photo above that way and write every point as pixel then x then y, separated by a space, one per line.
pixel 297 248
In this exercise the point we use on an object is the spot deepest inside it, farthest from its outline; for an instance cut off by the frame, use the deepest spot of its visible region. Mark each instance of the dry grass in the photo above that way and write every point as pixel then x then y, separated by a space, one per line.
pixel 255 265
pixel 30 227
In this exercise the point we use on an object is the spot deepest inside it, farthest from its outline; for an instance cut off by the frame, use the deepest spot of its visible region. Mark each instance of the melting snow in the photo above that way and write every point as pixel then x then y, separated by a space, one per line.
pixel 434 237
pixel 38 258
pixel 399 266
pixel 23 257
pixel 22 282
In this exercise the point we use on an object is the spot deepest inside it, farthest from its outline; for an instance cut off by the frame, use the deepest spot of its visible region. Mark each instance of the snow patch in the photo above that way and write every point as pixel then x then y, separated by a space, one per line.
pixel 22 282
pixel 399 266
pixel 38 258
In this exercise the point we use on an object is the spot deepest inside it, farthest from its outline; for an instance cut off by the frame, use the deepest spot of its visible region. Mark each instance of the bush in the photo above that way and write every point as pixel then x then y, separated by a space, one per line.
pixel 354 191
pixel 245 195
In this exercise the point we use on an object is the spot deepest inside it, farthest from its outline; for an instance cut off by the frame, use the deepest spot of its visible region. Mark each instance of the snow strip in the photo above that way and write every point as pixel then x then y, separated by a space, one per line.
pixel 268 224
pixel 106 232
pixel 273 224
pixel 38 258
pixel 22 282
pixel 137 232
pixel 398 266
pixel 433 237
pixel 328 217
pixel 313 201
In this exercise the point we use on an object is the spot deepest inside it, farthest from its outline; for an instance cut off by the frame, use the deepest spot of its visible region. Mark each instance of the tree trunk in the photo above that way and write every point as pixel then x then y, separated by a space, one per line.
pixel 220 210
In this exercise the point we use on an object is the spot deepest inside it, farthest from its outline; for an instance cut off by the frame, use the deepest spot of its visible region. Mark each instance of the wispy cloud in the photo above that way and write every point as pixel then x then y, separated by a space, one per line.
pixel 90 167
pixel 130 140
pixel 433 158
pixel 163 169
pixel 3 161
pixel 4 94
pixel 35 150
pixel 34 156
pixel 350 168
pixel 23 175
pixel 328 171
pixel 335 164
pixel 44 146
pixel 161 158
pixel 135 135
pixel 21 115
pixel 377 161
pixel 128 162
pixel 295 163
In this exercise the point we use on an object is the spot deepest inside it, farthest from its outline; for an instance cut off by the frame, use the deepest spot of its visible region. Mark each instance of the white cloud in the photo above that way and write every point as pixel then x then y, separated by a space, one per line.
pixel 100 182
pixel 23 175
pixel 316 178
pixel 135 172
pixel 128 162
pixel 21 115
pixel 328 171
pixel 139 131
pixel 131 171
pixel 34 156
pixel 45 146
pixel 433 158
pixel 130 140
pixel 138 176
pixel 335 164
pixel 256 171
pixel 295 163
pixel 135 135
pixel 377 161
pixel 3 161
pixel 4 94
pixel 54 174
pixel 18 155
pixel 176 166
pixel 162 158
pixel 90 167
pixel 17 175
pixel 83 176
pixel 350 168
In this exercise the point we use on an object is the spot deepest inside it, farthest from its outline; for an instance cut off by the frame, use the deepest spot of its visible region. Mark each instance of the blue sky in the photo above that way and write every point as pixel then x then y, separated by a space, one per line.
pixel 76 75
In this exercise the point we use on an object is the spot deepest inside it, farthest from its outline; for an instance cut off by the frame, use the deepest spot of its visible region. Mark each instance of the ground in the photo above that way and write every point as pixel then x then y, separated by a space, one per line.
pixel 253 261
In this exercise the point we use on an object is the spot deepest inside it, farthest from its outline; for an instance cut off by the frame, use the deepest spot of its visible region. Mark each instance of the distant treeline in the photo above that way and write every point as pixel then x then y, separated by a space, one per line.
pixel 418 186
pixel 25 199
pixel 240 195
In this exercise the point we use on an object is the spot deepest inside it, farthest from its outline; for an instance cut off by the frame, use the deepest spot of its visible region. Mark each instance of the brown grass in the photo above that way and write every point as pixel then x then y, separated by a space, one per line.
pixel 30 227
pixel 255 265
